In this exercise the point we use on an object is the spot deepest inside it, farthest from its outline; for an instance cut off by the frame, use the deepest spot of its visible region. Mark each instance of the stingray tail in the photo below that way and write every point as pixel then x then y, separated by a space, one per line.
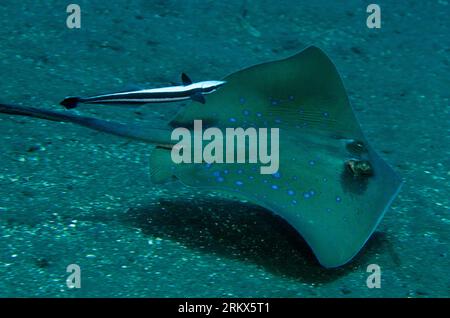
pixel 149 135
pixel 70 102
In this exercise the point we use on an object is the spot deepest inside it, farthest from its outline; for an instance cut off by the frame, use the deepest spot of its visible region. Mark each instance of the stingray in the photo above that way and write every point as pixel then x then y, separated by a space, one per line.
pixel 331 186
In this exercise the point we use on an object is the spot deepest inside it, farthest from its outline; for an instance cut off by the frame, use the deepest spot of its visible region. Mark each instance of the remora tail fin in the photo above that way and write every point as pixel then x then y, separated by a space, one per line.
pixel 70 102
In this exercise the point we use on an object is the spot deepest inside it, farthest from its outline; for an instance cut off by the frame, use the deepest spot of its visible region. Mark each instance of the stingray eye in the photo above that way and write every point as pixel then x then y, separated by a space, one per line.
pixel 356 147
pixel 359 168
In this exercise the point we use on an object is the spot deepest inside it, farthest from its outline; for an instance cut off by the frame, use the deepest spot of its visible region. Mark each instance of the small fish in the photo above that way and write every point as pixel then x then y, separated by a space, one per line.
pixel 188 90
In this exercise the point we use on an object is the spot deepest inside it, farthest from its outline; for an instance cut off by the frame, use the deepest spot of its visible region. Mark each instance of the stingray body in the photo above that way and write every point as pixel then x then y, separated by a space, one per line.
pixel 331 186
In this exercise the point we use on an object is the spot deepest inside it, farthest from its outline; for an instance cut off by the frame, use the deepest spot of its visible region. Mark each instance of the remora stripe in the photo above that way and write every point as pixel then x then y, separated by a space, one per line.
pixel 142 100
pixel 155 95
pixel 145 96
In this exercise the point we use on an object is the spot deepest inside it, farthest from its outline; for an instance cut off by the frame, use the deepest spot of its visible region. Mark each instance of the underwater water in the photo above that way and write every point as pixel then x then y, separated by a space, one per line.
pixel 69 195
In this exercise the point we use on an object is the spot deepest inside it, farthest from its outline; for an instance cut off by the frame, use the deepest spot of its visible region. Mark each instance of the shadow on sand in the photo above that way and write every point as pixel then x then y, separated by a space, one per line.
pixel 244 232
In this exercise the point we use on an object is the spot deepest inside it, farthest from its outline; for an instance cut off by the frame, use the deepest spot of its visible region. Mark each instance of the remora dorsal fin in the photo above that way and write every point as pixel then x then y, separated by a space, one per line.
pixel 185 79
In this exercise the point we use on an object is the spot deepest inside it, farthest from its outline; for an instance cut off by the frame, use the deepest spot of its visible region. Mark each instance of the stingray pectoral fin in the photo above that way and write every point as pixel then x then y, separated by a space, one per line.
pixel 332 210
pixel 337 212
pixel 333 207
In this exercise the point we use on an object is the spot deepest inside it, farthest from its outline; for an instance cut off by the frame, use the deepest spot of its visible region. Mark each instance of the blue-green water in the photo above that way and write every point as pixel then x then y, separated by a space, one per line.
pixel 72 196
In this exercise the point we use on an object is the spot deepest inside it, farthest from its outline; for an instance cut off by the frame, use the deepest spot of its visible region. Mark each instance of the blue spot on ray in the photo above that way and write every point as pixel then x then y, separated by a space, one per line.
pixel 274 186
pixel 239 183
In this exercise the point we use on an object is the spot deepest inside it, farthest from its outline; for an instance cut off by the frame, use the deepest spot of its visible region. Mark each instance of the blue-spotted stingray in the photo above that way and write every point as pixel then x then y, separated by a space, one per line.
pixel 331 186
